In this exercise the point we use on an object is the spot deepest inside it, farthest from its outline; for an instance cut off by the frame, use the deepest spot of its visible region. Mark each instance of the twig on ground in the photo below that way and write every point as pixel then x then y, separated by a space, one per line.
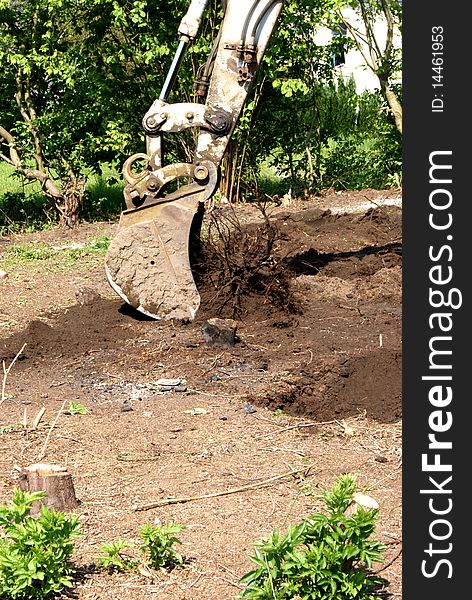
pixel 126 458
pixel 390 562
pixel 42 454
pixel 196 580
pixel 235 581
pixel 6 372
pixel 273 506
pixel 243 488
pixel 236 585
pixel 215 395
pixel 274 449
pixel 32 443
pixel 310 424
pixel 38 417
pixel 213 364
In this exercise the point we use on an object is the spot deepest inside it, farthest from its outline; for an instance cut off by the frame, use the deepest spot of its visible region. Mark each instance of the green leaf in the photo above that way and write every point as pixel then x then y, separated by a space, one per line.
pixel 313 559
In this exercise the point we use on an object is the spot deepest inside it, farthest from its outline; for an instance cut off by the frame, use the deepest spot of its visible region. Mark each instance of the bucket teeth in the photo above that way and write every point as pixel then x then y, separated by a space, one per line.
pixel 148 262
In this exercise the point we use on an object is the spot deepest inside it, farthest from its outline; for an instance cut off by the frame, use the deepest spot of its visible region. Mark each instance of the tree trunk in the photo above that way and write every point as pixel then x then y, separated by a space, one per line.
pixel 393 103
pixel 55 481
pixel 69 203
pixel 67 200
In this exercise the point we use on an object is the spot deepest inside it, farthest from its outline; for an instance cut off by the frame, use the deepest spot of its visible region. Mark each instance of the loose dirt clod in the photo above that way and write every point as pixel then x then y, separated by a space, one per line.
pixel 86 295
pixel 220 332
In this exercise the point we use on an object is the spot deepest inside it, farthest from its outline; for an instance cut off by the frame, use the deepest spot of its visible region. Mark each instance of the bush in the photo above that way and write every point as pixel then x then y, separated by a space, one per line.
pixel 159 541
pixel 34 552
pixel 158 546
pixel 21 212
pixel 114 559
pixel 322 558
pixel 331 138
pixel 24 208
pixel 358 161
pixel 364 152
pixel 103 195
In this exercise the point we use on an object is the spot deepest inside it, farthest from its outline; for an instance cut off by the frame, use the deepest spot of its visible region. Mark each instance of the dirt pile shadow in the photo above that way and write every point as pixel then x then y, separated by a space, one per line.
pixel 95 327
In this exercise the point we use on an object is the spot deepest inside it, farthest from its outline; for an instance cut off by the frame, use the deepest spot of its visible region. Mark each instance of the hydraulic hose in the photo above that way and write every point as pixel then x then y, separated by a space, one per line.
pixel 256 21
pixel 188 30
pixel 172 74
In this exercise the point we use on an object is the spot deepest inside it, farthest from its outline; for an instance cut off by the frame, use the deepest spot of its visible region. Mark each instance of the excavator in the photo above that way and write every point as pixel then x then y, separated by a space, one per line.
pixel 148 262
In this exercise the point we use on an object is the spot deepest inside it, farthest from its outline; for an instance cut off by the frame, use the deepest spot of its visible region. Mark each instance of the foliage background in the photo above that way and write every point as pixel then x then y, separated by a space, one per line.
pixel 77 77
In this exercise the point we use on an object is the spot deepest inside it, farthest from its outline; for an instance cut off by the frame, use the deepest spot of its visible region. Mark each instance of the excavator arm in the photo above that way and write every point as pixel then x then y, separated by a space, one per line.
pixel 148 261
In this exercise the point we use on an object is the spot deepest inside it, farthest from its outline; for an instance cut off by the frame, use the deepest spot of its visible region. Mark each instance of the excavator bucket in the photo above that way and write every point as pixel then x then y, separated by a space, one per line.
pixel 148 261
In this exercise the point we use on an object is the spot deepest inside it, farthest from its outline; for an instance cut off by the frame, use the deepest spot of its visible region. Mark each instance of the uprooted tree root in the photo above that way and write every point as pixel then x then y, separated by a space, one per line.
pixel 238 261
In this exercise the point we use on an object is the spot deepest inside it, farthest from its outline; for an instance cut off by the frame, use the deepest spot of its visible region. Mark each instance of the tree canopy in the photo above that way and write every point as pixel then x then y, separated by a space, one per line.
pixel 78 75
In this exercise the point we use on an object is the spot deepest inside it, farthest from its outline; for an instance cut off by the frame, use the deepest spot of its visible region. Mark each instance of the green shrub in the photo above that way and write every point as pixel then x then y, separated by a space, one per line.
pixel 114 559
pixel 330 138
pixel 35 552
pixel 21 212
pixel 157 547
pixel 159 542
pixel 75 408
pixel 24 208
pixel 322 558
pixel 103 195
pixel 358 161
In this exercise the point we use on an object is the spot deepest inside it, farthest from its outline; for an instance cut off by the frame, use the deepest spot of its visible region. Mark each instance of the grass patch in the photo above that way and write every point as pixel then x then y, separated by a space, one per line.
pixel 104 195
pixel 11 183
pixel 46 257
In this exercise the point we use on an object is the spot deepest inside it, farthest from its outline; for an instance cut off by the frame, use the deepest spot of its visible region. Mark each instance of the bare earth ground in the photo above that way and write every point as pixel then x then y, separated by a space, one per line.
pixel 325 382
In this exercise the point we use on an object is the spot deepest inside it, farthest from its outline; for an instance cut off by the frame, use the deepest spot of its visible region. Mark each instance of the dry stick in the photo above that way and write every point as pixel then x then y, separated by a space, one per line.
pixel 124 458
pixel 38 417
pixel 6 372
pixel 277 431
pixel 243 488
pixel 42 454
pixel 215 395
pixel 308 424
pixel 390 562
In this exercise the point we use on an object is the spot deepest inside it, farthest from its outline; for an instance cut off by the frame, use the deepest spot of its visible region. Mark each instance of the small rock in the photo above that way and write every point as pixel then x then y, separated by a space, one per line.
pixel 196 411
pixel 72 246
pixel 168 382
pixel 381 459
pixel 180 388
pixel 126 408
pixel 249 408
pixel 3 274
pixel 365 501
pixel 166 388
pixel 221 332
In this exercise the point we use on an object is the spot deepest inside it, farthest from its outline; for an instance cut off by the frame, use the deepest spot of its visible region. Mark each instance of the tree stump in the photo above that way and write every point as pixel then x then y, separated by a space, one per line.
pixel 55 481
